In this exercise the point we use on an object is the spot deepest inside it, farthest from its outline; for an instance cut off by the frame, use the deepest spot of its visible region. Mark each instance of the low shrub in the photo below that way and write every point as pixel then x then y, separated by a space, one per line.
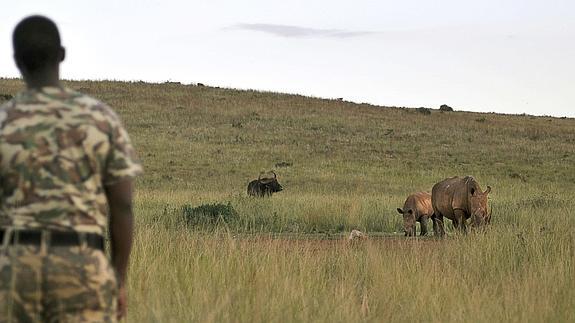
pixel 423 110
pixel 445 108
pixel 209 213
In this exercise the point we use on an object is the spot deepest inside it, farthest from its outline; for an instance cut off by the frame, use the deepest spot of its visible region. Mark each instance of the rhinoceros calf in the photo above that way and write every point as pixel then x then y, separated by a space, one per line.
pixel 459 199
pixel 417 208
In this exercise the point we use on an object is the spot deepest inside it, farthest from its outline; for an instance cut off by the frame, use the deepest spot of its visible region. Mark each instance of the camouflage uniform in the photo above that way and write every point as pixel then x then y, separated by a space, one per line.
pixel 58 148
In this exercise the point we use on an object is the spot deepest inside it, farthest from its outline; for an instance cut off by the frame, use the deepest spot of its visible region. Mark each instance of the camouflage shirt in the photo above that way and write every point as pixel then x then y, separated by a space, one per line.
pixel 58 148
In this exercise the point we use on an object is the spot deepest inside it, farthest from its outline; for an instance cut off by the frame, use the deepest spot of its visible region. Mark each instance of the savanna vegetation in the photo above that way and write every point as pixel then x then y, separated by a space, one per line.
pixel 206 252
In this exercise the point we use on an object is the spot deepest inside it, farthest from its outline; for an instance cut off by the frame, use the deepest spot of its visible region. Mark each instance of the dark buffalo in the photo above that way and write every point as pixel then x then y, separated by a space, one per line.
pixel 417 208
pixel 264 186
pixel 459 199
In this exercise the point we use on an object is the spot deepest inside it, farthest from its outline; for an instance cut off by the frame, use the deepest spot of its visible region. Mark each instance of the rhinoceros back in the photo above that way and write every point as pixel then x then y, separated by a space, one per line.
pixel 450 194
pixel 420 202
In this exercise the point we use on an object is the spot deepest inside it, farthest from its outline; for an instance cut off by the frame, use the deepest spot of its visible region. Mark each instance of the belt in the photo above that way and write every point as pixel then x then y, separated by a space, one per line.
pixel 57 238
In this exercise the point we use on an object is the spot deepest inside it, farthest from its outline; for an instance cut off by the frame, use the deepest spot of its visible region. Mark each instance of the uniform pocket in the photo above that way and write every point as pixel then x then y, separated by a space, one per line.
pixel 81 284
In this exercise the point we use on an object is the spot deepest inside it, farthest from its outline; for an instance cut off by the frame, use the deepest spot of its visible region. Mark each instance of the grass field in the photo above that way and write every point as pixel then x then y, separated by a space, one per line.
pixel 285 259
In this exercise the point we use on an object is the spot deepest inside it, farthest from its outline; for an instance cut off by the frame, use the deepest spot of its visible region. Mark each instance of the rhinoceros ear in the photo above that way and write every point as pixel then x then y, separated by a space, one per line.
pixel 487 190
pixel 400 211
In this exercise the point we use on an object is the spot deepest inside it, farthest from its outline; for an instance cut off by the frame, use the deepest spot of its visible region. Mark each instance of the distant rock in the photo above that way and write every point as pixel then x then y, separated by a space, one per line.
pixel 200 84
pixel 445 108
pixel 424 110
pixel 356 235
pixel 518 176
pixel 283 164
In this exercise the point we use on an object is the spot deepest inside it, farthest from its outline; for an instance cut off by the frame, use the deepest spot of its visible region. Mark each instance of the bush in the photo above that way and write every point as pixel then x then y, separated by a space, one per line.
pixel 424 110
pixel 445 108
pixel 209 213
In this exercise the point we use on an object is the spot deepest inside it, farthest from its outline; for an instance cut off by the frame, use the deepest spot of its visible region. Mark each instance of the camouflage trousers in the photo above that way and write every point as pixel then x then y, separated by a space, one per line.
pixel 56 284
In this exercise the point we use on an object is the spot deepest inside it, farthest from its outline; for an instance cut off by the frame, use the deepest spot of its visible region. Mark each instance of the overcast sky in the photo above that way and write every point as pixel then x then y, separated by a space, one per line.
pixel 514 56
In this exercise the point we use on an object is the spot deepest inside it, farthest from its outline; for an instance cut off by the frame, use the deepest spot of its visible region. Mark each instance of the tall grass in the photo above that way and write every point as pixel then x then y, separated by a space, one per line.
pixel 503 275
pixel 346 166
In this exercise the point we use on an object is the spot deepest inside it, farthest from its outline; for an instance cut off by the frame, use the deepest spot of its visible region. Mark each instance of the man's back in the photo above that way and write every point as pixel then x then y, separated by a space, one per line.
pixel 58 149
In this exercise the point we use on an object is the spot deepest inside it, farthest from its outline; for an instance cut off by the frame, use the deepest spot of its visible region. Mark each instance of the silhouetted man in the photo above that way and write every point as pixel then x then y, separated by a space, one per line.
pixel 66 172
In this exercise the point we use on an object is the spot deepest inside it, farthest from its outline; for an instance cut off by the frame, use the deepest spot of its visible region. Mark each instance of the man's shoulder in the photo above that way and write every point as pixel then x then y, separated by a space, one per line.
pixel 48 104
pixel 88 100
pixel 97 108
pixel 55 97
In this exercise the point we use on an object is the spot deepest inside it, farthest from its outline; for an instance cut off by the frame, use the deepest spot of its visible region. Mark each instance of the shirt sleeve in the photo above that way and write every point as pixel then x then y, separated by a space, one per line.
pixel 121 161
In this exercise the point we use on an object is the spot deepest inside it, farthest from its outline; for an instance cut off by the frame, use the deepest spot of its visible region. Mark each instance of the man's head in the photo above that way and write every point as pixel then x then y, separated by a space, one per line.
pixel 37 47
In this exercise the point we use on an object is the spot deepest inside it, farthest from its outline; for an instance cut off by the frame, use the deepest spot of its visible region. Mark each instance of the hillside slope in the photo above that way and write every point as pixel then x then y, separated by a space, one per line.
pixel 203 144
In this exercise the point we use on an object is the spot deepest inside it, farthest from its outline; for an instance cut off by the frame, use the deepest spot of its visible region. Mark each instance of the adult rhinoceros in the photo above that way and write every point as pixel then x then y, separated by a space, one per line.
pixel 459 199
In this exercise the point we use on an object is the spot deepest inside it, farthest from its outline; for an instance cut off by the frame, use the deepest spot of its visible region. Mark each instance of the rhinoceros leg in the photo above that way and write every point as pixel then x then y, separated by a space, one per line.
pixel 423 224
pixel 459 221
pixel 438 228
pixel 478 222
pixel 434 223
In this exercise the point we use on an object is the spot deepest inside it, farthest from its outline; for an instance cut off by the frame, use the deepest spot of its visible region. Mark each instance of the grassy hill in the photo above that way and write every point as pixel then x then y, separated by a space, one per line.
pixel 351 165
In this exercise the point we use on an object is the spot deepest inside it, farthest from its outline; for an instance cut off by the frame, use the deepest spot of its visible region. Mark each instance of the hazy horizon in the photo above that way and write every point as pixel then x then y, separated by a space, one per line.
pixel 512 57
